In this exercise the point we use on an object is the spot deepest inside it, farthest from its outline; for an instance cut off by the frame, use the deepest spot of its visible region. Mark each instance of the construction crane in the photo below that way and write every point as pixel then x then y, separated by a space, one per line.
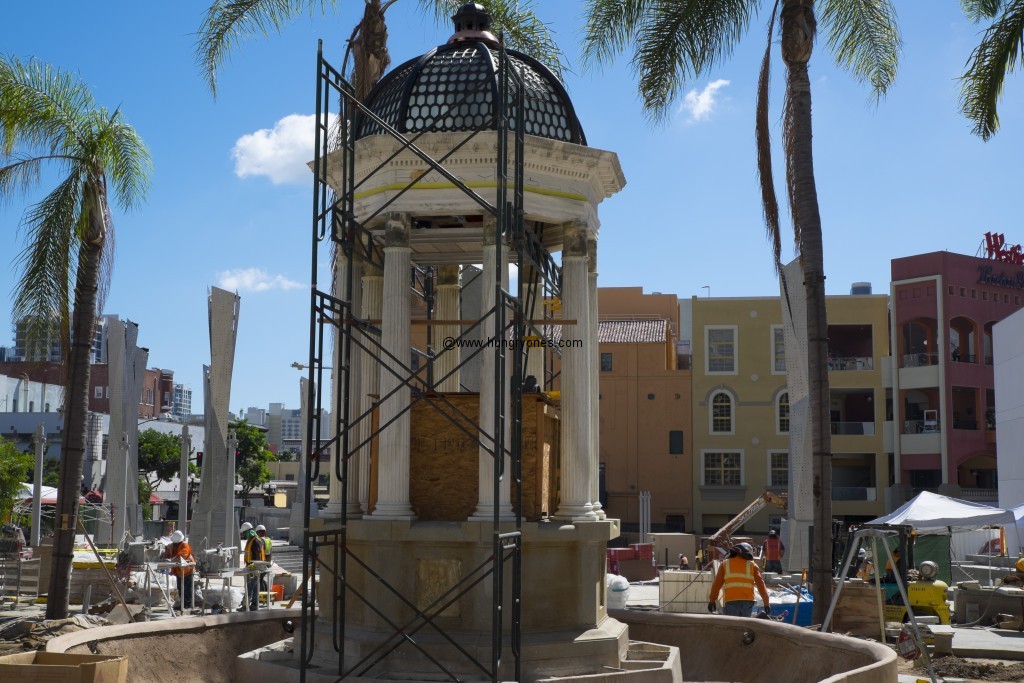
pixel 723 537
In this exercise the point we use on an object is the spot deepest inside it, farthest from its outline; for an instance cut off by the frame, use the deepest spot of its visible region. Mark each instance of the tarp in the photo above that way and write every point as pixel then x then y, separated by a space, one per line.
pixel 49 494
pixel 932 512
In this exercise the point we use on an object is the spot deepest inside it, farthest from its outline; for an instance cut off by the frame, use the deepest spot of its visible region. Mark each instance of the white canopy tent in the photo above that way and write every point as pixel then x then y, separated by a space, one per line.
pixel 1015 533
pixel 932 513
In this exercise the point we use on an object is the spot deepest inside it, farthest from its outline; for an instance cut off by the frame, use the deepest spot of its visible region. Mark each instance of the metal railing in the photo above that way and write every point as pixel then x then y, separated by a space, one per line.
pixel 851 363
pixel 919 360
pixel 864 493
pixel 853 428
pixel 965 424
pixel 921 427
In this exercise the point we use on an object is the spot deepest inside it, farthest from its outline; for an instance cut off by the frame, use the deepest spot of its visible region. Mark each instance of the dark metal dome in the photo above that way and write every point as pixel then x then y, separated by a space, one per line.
pixel 454 87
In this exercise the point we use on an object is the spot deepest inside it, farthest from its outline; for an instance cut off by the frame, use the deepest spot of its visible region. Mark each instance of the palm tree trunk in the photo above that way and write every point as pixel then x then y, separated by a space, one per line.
pixel 76 403
pixel 798 27
pixel 370 56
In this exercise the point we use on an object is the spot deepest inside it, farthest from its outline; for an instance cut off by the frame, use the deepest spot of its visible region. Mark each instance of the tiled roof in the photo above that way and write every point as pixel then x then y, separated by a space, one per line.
pixel 632 331
pixel 625 331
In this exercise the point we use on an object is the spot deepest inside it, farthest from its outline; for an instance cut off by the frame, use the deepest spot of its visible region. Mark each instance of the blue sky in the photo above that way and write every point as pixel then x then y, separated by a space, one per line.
pixel 230 201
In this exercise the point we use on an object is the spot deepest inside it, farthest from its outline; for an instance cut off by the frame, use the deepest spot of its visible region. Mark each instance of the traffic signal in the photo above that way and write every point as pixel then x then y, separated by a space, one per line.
pixel 199 458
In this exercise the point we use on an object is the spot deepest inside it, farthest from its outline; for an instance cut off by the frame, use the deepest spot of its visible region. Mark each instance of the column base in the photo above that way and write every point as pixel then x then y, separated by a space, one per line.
pixel 394 511
pixel 485 513
pixel 576 513
pixel 331 510
pixel 355 511
pixel 599 511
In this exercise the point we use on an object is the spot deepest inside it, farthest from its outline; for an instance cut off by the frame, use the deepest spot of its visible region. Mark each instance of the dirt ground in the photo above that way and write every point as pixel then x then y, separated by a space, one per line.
pixel 971 670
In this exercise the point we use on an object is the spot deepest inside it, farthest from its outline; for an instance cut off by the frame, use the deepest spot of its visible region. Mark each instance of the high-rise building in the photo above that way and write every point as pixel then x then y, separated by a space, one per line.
pixel 181 406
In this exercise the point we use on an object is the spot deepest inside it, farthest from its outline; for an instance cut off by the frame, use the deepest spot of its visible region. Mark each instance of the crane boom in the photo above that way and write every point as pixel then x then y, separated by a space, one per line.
pixel 779 499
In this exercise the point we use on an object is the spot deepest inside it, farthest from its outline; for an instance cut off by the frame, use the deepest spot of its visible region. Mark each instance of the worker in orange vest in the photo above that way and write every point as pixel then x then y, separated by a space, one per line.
pixel 736 578
pixel 180 552
pixel 773 550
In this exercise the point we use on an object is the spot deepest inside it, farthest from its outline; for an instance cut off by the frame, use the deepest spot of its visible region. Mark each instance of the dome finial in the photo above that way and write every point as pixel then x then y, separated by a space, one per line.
pixel 472 24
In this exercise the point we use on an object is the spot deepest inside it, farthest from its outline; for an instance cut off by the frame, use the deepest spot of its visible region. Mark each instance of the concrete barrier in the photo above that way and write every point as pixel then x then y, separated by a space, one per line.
pixel 718 648
pixel 183 649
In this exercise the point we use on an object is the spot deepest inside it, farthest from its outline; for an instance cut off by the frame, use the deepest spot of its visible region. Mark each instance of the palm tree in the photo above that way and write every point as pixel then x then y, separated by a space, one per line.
pixel 674 43
pixel 227 21
pixel 49 120
pixel 1001 46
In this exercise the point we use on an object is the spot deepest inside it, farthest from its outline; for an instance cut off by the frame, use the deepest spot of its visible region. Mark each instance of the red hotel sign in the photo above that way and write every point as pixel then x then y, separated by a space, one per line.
pixel 996 249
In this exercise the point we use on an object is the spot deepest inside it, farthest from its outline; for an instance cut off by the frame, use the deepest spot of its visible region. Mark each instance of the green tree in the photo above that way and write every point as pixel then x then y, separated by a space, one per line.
pixel 1000 49
pixel 159 457
pixel 49 119
pixel 15 466
pixel 51 471
pixel 674 43
pixel 228 21
pixel 253 456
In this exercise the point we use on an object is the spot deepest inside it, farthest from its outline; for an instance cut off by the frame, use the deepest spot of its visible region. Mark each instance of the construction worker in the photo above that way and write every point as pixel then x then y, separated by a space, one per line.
pixel 737 577
pixel 890 577
pixel 1019 567
pixel 773 550
pixel 253 553
pixel 181 552
pixel 268 547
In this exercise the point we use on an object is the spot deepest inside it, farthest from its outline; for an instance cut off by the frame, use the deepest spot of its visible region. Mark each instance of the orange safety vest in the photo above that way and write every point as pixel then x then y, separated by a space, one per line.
pixel 739 580
pixel 773 549
pixel 254 550
pixel 184 551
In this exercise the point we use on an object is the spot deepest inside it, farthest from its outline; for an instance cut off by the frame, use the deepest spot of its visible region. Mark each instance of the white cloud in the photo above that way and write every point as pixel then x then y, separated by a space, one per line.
pixel 279 153
pixel 253 280
pixel 699 104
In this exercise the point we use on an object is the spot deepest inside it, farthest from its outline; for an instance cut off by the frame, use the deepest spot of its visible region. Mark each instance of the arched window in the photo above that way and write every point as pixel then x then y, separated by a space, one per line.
pixel 721 413
pixel 782 413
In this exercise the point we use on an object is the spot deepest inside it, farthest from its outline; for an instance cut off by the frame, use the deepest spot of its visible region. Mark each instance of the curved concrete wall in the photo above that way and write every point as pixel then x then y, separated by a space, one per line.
pixel 183 649
pixel 711 648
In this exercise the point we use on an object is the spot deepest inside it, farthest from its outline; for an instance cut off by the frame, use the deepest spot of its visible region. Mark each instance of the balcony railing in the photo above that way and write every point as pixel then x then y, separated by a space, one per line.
pixel 851 363
pixel 921 427
pixel 919 360
pixel 965 424
pixel 853 428
pixel 865 493
pixel 963 358
pixel 979 495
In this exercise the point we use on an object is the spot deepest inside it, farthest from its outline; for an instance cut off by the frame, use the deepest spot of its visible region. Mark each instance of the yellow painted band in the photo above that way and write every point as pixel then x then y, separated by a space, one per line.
pixel 474 185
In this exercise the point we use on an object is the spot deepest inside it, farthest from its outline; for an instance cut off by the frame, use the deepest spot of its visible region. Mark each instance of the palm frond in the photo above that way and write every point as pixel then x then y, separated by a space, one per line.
pixel 763 141
pixel 124 157
pixel 228 21
pixel 864 36
pixel 982 83
pixel 788 141
pixel 610 27
pixel 21 175
pixel 673 41
pixel 976 10
pixel 41 108
pixel 43 293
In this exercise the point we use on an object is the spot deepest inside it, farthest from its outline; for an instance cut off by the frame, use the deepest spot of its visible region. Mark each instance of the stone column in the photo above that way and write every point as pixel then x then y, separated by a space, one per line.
pixel 594 351
pixel 213 517
pixel 446 308
pixel 373 292
pixel 576 452
pixel 493 269
pixel 333 507
pixel 393 463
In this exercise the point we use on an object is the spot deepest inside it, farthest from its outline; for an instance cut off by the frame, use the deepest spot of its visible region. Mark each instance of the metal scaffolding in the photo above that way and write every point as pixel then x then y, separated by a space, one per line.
pixel 336 330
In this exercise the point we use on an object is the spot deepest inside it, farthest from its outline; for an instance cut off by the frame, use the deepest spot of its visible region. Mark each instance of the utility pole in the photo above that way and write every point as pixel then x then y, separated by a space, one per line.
pixel 39 438
pixel 183 501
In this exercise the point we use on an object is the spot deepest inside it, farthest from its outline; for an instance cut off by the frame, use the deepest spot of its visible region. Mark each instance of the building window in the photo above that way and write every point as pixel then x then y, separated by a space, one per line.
pixel 951 290
pixel 99 392
pixel 675 442
pixel 721 350
pixel 974 293
pixel 963 291
pixel 721 413
pixel 606 362
pixel 782 413
pixel 984 295
pixel 723 468
pixel 778 350
pixel 778 469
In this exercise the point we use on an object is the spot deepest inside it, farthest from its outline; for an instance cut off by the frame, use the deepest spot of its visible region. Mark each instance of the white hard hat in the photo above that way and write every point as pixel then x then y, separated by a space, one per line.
pixel 177 536
pixel 261 528
pixel 245 527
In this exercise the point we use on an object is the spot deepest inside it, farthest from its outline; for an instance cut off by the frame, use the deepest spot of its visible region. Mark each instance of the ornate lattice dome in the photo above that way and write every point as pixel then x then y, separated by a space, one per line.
pixel 454 87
